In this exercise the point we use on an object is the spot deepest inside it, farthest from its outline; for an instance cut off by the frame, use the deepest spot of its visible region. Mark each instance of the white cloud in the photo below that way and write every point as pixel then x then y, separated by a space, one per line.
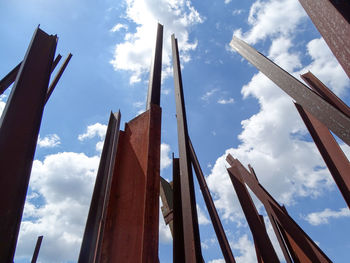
pixel 165 160
pixel 117 27
pixel 63 184
pixel 227 1
pixel 134 54
pixel 246 250
pixel 138 104
pixel 217 261
pixel 49 141
pixel 318 218
pixel 202 219
pixel 209 94
pixel 93 130
pixel 237 12
pixel 228 101
pixel 2 104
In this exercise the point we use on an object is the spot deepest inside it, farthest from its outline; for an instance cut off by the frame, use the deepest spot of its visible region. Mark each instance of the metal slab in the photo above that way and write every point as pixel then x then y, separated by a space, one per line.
pixel 19 128
pixel 334 119
pixel 37 249
pixel 166 195
pixel 193 251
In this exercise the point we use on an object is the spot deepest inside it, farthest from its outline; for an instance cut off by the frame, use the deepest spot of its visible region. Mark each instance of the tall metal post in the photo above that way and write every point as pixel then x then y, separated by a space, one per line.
pixel 332 20
pixel 19 129
pixel 193 251
pixel 37 249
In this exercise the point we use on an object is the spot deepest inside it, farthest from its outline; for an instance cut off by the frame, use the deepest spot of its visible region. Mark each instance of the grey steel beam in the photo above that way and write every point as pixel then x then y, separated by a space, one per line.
pixel 215 219
pixel 334 119
pixel 155 79
pixel 192 243
pixel 37 249
pixel 19 129
pixel 331 19
pixel 96 218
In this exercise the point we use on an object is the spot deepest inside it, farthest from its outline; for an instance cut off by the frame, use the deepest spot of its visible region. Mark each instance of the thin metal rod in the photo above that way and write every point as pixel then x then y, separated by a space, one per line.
pixel 193 251
pixel 215 219
pixel 57 77
pixel 97 213
pixel 334 119
pixel 19 129
pixel 155 78
pixel 37 249
pixel 331 19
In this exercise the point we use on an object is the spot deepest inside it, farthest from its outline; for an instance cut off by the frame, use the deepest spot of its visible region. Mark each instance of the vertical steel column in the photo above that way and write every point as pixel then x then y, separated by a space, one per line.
pixel 193 251
pixel 331 19
pixel 19 129
pixel 98 207
pixel 325 112
pixel 215 219
pixel 261 239
pixel 37 249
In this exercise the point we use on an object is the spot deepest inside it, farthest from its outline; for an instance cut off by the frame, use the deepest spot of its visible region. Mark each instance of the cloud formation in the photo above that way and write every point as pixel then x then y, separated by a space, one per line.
pixel 319 218
pixel 49 141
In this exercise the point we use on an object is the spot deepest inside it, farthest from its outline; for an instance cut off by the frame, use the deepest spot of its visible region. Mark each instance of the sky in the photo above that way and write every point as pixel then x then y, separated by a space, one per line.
pixel 231 108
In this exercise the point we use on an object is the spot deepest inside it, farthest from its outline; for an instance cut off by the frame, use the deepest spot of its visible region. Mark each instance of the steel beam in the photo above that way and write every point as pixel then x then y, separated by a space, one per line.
pixel 192 243
pixel 19 129
pixel 166 195
pixel 258 230
pixel 334 119
pixel 37 249
pixel 95 223
pixel 215 219
pixel 304 246
pixel 331 152
pixel 155 79
pixel 331 19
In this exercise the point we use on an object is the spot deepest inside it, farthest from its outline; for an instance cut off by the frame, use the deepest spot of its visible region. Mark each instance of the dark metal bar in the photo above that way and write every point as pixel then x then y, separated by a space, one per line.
pixel 331 19
pixel 331 153
pixel 257 228
pixel 193 251
pixel 19 128
pixel 11 76
pixel 312 102
pixel 37 249
pixel 57 77
pixel 305 244
pixel 178 234
pixel 215 219
pixel 155 78
pixel 98 207
pixel 316 85
pixel 166 195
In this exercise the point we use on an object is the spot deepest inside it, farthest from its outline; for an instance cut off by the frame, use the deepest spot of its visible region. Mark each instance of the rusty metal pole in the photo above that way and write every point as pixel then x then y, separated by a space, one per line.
pixel 37 249
pixel 331 19
pixel 98 207
pixel 261 239
pixel 19 129
pixel 325 112
pixel 215 219
pixel 193 251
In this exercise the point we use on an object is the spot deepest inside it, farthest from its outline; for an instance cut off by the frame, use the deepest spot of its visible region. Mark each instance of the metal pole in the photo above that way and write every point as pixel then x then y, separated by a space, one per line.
pixel 37 249
pixel 193 251
pixel 19 128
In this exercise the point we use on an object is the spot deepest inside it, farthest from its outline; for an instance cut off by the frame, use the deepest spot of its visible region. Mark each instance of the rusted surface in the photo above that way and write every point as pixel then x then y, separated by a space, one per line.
pixel 331 152
pixel 192 243
pixel 155 78
pixel 309 247
pixel 325 112
pixel 98 206
pixel 132 222
pixel 331 19
pixel 37 249
pixel 19 128
pixel 215 219
pixel 261 239
pixel 166 195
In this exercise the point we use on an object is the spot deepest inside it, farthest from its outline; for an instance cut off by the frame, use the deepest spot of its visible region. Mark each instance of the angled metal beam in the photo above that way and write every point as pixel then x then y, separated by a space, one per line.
pixel 331 152
pixel 166 195
pixel 215 219
pixel 331 19
pixel 334 119
pixel 155 78
pixel 258 230
pixel 19 129
pixel 37 249
pixel 57 77
pixel 193 251
pixel 100 197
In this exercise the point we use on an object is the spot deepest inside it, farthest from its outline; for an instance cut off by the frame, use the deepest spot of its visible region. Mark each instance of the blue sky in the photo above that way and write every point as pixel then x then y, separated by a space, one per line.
pixel 231 108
